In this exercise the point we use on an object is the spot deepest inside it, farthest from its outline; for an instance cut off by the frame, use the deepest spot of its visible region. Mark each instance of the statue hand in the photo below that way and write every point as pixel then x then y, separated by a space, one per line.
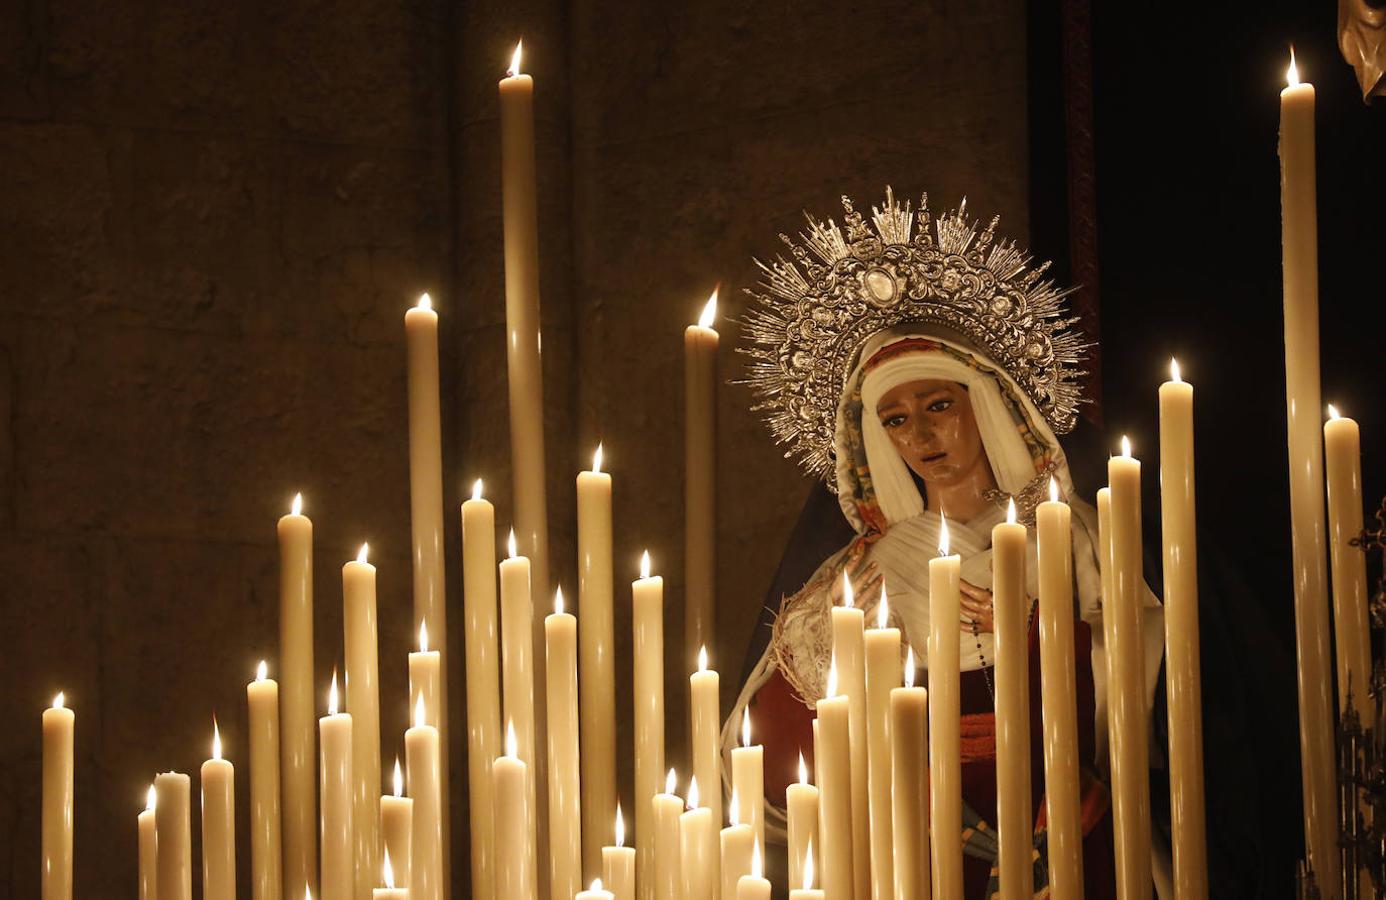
pixel 864 576
pixel 974 605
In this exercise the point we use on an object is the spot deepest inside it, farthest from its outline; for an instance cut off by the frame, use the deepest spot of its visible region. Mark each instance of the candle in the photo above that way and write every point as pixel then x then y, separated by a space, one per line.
pixel 596 659
pixel 266 869
pixel 738 841
pixel 173 835
pixel 945 739
pixel 338 873
pixel 833 758
pixel 1011 610
pixel 704 691
pixel 700 482
pixel 218 824
pixel 1058 691
pixel 426 522
pixel 1299 240
pixel 807 892
pixel 565 813
pixel 801 810
pixel 397 828
pixel 909 726
pixel 618 863
pixel 596 892
pixel 387 878
pixel 425 675
pixel 58 727
pixel 753 885
pixel 483 682
pixel 848 640
pixel 297 749
pixel 517 663
pixel 697 835
pixel 515 863
pixel 149 852
pixel 647 624
pixel 1126 660
pixel 1180 539
pixel 748 780
pixel 426 829
pixel 882 676
pixel 363 699
pixel 1343 465
pixel 667 880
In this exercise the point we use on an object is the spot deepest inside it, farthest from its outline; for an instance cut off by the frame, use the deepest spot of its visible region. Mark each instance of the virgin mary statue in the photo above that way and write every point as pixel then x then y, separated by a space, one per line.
pixel 922 368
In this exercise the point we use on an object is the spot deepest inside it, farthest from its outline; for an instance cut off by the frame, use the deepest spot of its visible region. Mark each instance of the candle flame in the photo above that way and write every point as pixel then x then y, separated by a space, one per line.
pixel 476 489
pixel 399 780
pixel 645 564
pixel 709 313
pixel 425 302
pixel 620 827
pixel 803 769
pixel 746 727
pixel 387 872
pixel 261 671
pixel 59 700
pixel 693 792
pixel 296 505
pixel 849 597
pixel 420 712
pixel 423 636
pixel 808 866
pixel 597 459
pixel 1174 370
pixel 332 695
pixel 216 739
pixel 942 534
pixel 1333 412
pixel 510 544
pixel 734 811
pixel 1010 511
pixel 512 744
pixel 909 667
pixel 1292 73
pixel 1125 446
pixel 702 658
pixel 558 601
pixel 832 677
pixel 151 799
pixel 515 60
pixel 363 553
pixel 883 609
pixel 757 866
pixel 307 893
pixel 1053 490
pixel 596 884
pixel 671 782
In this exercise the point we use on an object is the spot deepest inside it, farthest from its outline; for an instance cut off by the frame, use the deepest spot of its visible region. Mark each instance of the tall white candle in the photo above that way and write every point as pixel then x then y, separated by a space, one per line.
pixel 909 727
pixel 218 824
pixel 882 676
pixel 1015 824
pixel 618 863
pixel 596 659
pixel 363 699
pixel 801 810
pixel 338 871
pixel 397 828
pixel 58 727
pixel 515 841
pixel 700 343
pixel 748 780
pixel 1299 240
pixel 738 842
pixel 149 849
pixel 848 647
pixel 173 835
pixel 945 738
pixel 565 811
pixel 705 713
pixel 517 664
pixel 833 758
pixel 266 868
pixel 647 624
pixel 298 740
pixel 666 876
pixel 1343 464
pixel 697 835
pixel 426 832
pixel 483 682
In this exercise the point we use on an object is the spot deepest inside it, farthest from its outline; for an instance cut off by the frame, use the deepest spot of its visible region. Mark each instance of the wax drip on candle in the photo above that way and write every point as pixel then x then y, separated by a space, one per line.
pixel 645 564
pixel 387 872
pixel 512 748
pixel 702 658
pixel 510 544
pixel 1333 412
pixel 425 302
pixel 757 866
pixel 296 506
pixel 734 811
pixel 515 60
pixel 363 553
pixel 558 601
pixel 849 597
pixel 151 799
pixel 216 739
pixel 746 727
pixel 883 608
pixel 1010 511
pixel 1053 490
pixel 261 671
pixel 1174 370
pixel 693 792
pixel 59 700
pixel 909 667
pixel 832 677
pixel 808 865
pixel 423 636
pixel 1125 446
pixel 597 459
pixel 476 489
pixel 421 714
pixel 942 534
pixel 620 827
pixel 671 782
pixel 332 695
pixel 1292 73
pixel 399 780
pixel 709 310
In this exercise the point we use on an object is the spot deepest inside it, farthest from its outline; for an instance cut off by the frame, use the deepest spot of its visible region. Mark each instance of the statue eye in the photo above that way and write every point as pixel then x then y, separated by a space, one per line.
pixel 894 421
pixel 941 404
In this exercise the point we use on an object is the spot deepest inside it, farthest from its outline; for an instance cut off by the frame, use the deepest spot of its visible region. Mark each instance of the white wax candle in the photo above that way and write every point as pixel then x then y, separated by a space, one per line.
pixel 338 868
pixel 801 810
pixel 426 832
pixel 387 877
pixel 58 726
pixel 748 780
pixel 481 641
pixel 705 715
pixel 266 867
pixel 218 824
pixel 700 343
pixel 1343 465
pixel 909 726
pixel 834 761
pixel 363 699
pixel 298 741
pixel 807 891
pixel 882 676
pixel 426 524
pixel 173 835
pixel 596 659
pixel 618 863
pixel 945 739
pixel 397 829
pixel 647 625
pixel 738 842
pixel 697 834
pixel 666 877
pixel 515 842
pixel 753 885
pixel 1180 542
pixel 596 892
pixel 565 813
pixel 149 849
pixel 1011 606
pixel 848 647
pixel 517 665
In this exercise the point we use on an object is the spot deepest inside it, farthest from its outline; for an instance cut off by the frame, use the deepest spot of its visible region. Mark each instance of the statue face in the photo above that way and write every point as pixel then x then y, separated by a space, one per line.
pixel 933 428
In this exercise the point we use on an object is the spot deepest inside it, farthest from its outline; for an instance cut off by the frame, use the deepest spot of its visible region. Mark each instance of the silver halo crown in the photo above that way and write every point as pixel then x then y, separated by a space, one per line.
pixel 813 315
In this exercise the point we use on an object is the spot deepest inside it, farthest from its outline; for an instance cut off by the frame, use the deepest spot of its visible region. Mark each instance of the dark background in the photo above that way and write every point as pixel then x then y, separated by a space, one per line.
pixel 215 215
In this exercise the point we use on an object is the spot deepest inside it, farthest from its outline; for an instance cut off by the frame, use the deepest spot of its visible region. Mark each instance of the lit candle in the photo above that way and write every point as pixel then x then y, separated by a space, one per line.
pixel 397 828
pixel 149 848
pixel 266 869
pixel 801 810
pixel 515 856
pixel 848 641
pixel 882 676
pixel 697 834
pixel 748 780
pixel 565 813
pixel 1011 606
pixel 738 841
pixel 753 885
pixel 387 878
pixel 58 726
pixel 426 829
pixel 1299 241
pixel 833 757
pixel 618 863
pixel 517 663
pixel 647 624
pixel 596 892
pixel 667 880
pixel 596 659
pixel 173 835
pixel 704 691
pixel 1343 464
pixel 218 824
pixel 363 699
pixel 909 727
pixel 807 891
pixel 338 873
pixel 1126 661
pixel 1058 679
pixel 700 481
pixel 1180 540
pixel 945 739
pixel 298 750
pixel 426 521
pixel 483 682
